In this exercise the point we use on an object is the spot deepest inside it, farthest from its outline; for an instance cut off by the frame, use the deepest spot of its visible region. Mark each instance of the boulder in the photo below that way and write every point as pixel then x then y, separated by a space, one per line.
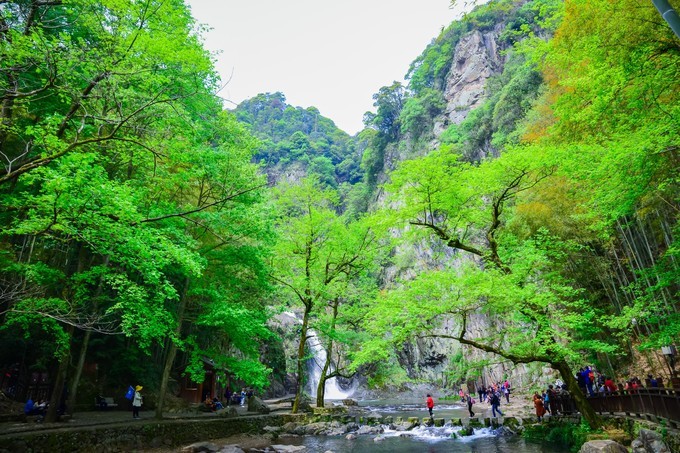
pixel 351 436
pixel 255 404
pixel 200 447
pixel 475 423
pixel 350 402
pixel 370 430
pixel 653 441
pixel 228 412
pixel 305 404
pixel 638 446
pixel 602 446
pixel 466 431
pixel 231 449
pixel 287 448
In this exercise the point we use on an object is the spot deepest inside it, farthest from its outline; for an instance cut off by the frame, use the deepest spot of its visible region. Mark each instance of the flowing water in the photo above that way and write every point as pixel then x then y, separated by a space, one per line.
pixel 332 389
pixel 422 438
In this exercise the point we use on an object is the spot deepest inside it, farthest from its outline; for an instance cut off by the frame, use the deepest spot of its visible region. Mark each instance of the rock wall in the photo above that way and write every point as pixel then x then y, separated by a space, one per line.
pixel 137 436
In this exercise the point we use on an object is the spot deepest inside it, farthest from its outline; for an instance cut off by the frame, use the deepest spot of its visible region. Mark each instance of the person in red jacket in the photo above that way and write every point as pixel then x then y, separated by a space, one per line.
pixel 609 385
pixel 430 404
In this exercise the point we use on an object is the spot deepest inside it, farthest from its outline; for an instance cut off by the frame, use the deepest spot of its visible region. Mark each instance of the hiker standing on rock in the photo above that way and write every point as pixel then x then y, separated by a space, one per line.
pixel 430 404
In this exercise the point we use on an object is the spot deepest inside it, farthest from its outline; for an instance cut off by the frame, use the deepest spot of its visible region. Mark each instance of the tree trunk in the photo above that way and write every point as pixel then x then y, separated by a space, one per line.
pixel 172 351
pixel 70 405
pixel 59 383
pixel 321 388
pixel 580 400
pixel 301 358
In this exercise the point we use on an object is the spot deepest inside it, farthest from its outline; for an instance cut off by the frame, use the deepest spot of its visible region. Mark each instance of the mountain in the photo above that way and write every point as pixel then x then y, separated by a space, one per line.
pixel 295 141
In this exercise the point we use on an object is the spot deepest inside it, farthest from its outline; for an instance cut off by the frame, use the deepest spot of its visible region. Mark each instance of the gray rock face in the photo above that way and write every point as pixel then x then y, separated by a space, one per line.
pixel 650 442
pixel 603 446
pixel 476 59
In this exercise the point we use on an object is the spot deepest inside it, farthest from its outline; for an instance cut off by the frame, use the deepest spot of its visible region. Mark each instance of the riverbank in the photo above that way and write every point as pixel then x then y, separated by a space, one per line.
pixel 117 431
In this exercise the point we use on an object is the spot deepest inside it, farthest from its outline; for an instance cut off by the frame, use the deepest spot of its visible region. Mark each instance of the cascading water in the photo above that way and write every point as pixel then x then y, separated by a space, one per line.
pixel 332 389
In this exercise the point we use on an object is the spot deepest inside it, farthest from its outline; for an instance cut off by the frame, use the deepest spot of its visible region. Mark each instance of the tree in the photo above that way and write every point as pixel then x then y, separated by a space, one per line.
pixel 465 207
pixel 127 192
pixel 316 256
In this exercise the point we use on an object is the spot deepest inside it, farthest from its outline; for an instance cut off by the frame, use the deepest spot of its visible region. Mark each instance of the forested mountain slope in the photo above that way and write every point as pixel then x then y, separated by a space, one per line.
pixel 298 137
pixel 549 136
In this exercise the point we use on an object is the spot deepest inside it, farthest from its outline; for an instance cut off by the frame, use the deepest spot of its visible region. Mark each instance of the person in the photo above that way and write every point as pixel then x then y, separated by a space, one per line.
pixel 470 402
pixel 506 392
pixel 552 400
pixel 209 404
pixel 137 401
pixel 217 404
pixel 496 404
pixel 652 382
pixel 461 395
pixel 538 405
pixel 546 401
pixel 28 407
pixel 581 380
pixel 430 404
pixel 243 396
pixel 41 409
pixel 609 385
pixel 227 395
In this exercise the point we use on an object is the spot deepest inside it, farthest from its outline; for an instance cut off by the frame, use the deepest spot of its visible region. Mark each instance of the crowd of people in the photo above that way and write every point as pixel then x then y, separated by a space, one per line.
pixel 493 395
pixel 230 397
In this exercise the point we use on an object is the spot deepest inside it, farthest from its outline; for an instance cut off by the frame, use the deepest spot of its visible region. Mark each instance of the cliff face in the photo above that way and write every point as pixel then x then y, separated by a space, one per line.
pixel 478 56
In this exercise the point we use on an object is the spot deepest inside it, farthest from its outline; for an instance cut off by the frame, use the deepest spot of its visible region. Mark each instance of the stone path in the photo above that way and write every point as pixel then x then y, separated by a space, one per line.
pixel 116 417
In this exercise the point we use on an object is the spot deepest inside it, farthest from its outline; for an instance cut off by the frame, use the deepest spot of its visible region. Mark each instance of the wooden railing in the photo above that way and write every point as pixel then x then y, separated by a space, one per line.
pixel 662 403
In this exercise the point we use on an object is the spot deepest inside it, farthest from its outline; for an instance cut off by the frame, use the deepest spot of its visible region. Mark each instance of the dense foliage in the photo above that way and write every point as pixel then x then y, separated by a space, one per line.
pixel 293 135
pixel 127 196
pixel 562 185
pixel 136 217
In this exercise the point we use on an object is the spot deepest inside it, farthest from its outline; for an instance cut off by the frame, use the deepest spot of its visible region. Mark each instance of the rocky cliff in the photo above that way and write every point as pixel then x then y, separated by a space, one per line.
pixel 478 56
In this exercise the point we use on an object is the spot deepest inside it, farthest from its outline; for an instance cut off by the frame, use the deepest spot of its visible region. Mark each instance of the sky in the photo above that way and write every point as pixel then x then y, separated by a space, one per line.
pixel 330 54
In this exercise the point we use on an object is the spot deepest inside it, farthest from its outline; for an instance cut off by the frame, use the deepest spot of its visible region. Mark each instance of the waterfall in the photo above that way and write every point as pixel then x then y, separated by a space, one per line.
pixel 314 366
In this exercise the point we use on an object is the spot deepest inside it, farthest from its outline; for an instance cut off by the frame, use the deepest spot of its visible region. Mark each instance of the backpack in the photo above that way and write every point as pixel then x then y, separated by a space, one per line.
pixel 130 393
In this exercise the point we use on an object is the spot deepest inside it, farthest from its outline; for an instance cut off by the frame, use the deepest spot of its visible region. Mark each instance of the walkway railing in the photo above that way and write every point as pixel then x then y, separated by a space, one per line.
pixel 662 403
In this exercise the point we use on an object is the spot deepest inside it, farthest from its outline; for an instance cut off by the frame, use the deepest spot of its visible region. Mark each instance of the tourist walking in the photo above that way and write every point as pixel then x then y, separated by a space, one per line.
pixel 430 404
pixel 470 402
pixel 137 401
pixel 496 404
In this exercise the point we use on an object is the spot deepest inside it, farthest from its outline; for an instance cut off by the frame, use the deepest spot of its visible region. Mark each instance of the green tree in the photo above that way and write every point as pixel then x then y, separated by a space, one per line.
pixel 317 256
pixel 465 207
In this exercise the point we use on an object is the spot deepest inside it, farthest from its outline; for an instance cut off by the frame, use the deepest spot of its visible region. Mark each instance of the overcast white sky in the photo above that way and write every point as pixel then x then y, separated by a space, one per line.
pixel 331 54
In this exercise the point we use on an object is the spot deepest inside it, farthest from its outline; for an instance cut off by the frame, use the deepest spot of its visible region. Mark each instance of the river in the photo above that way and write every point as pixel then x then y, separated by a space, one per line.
pixel 420 439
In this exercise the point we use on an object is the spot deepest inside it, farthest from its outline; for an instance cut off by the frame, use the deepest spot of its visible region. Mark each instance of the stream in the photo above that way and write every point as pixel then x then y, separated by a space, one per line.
pixel 420 439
